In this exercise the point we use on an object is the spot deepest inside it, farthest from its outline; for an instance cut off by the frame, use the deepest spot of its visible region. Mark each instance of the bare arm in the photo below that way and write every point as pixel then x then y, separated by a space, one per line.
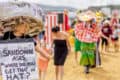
pixel 68 43
pixel 102 35
pixel 40 51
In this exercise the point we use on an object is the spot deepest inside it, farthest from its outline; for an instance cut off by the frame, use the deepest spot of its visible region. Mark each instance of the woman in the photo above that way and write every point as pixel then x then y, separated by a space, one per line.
pixel 20 32
pixel 106 32
pixel 1 32
pixel 61 48
pixel 115 38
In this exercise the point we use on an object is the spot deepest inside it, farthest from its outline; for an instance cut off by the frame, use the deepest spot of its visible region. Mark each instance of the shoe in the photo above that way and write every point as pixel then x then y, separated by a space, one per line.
pixel 87 69
pixel 94 66
pixel 87 72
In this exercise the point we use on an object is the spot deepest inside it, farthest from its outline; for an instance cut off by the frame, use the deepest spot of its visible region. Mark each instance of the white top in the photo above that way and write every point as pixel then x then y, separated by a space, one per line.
pixel 116 33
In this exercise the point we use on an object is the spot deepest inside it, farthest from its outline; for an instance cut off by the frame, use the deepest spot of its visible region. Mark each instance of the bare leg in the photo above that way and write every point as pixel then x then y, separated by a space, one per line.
pixel 116 47
pixel 57 73
pixel 87 69
pixel 102 48
pixel 39 75
pixel 61 72
pixel 43 75
pixel 76 57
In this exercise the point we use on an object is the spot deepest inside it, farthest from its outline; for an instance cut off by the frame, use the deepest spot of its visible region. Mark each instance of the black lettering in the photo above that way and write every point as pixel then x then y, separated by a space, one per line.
pixel 15 77
pixel 21 75
pixel 22 69
pixel 22 64
pixel 9 77
pixel 19 58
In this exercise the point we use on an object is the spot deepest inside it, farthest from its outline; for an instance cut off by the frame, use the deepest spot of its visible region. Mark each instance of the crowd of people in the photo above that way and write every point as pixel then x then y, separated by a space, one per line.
pixel 88 35
pixel 107 32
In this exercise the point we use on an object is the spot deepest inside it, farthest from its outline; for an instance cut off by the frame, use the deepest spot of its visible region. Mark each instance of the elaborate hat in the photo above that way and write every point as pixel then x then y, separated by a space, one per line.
pixel 99 16
pixel 15 13
pixel 86 16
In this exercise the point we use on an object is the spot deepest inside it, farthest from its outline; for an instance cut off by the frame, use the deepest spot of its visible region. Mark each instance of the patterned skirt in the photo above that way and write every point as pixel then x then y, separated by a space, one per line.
pixel 87 54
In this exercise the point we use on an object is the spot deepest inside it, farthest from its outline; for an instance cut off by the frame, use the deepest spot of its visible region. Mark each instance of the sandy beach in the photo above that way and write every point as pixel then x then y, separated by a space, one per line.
pixel 108 71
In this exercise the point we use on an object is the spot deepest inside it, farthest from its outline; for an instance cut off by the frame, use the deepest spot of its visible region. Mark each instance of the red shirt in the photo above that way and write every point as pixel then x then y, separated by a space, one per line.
pixel 67 27
pixel 107 31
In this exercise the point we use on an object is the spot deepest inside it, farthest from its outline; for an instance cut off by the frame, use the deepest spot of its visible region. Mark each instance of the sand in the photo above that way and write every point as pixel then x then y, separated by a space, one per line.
pixel 110 69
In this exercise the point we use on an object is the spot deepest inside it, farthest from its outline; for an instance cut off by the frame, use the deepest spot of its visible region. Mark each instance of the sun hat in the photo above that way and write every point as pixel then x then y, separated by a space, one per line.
pixel 106 22
pixel 87 16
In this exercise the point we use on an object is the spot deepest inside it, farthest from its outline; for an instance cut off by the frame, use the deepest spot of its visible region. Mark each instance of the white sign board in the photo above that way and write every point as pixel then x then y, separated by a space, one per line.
pixel 10 9
pixel 18 60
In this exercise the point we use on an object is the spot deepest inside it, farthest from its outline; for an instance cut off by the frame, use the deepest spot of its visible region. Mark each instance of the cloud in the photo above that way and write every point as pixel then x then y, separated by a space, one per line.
pixel 74 3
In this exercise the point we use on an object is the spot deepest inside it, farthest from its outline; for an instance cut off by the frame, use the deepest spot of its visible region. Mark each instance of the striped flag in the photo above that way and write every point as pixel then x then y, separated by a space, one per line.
pixel 51 20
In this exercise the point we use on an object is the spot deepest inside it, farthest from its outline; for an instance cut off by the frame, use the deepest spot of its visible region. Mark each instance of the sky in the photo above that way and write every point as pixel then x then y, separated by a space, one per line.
pixel 73 3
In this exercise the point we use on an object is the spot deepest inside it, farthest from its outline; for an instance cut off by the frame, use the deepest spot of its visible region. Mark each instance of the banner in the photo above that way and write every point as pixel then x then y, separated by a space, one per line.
pixel 18 60
pixel 86 34
pixel 12 9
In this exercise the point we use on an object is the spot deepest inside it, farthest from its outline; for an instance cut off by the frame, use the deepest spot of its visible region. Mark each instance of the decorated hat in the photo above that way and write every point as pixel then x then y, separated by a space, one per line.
pixel 87 16
pixel 35 25
pixel 23 12
pixel 99 16
pixel 106 22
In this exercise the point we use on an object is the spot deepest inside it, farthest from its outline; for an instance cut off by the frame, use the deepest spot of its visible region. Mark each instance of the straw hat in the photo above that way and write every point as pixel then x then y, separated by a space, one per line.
pixel 86 16
pixel 35 25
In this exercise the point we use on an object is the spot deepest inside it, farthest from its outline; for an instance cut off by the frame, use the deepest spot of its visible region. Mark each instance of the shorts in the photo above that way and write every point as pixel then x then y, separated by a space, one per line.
pixel 77 45
pixel 104 41
pixel 42 65
pixel 115 39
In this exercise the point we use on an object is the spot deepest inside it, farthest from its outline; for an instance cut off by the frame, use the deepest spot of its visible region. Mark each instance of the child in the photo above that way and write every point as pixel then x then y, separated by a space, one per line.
pixel 42 60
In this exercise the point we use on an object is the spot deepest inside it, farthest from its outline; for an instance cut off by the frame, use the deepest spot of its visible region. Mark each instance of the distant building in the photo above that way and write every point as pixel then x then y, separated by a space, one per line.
pixel 106 9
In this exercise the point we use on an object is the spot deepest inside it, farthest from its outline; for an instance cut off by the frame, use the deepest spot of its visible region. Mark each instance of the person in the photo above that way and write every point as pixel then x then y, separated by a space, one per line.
pixel 71 38
pixel 66 18
pixel 115 37
pixel 99 20
pixel 77 42
pixel 20 32
pixel 61 48
pixel 87 33
pixel 41 60
pixel 1 36
pixel 97 54
pixel 1 32
pixel 87 50
pixel 42 35
pixel 114 19
pixel 106 33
